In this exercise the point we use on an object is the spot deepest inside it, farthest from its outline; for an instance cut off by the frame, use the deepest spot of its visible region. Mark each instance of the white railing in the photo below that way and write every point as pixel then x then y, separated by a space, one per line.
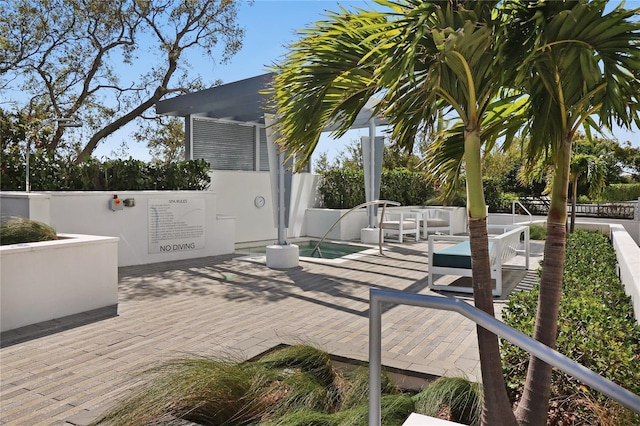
pixel 539 350
pixel 513 211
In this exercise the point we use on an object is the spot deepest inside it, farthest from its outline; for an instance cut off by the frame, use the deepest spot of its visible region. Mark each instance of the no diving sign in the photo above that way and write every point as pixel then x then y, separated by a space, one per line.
pixel 176 224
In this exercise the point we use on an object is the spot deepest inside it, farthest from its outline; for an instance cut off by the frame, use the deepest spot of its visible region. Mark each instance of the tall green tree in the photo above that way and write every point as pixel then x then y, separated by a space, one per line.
pixel 164 138
pixel 589 169
pixel 577 62
pixel 61 55
pixel 423 59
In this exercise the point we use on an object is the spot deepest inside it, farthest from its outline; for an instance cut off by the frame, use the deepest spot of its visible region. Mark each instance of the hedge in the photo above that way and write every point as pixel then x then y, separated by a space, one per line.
pixel 621 192
pixel 343 188
pixel 596 324
pixel 49 172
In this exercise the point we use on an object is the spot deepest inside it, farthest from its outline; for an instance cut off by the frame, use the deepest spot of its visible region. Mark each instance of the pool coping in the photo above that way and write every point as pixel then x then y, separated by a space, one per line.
pixel 261 257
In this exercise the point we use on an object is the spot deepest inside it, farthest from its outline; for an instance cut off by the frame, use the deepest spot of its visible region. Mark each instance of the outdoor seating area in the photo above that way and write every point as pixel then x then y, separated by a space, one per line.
pixel 419 222
pixel 435 220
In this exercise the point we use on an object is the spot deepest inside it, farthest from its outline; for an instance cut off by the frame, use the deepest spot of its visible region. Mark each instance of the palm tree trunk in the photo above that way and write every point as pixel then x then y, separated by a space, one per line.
pixel 534 405
pixel 574 203
pixel 496 409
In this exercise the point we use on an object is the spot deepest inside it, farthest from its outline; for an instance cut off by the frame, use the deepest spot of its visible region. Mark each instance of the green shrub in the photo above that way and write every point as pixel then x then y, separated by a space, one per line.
pixel 306 358
pixel 290 386
pixel 537 232
pixel 201 390
pixel 596 323
pixel 356 389
pixel 307 418
pixel 51 172
pixel 621 192
pixel 407 187
pixel 460 396
pixel 394 411
pixel 17 230
pixel 343 188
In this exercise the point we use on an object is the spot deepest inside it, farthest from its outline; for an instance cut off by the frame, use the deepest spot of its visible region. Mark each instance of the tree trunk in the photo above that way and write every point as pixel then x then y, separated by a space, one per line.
pixel 574 203
pixel 534 405
pixel 115 125
pixel 496 410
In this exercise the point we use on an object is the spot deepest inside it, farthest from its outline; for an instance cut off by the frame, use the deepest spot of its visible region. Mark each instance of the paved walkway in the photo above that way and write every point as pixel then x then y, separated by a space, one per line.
pixel 226 306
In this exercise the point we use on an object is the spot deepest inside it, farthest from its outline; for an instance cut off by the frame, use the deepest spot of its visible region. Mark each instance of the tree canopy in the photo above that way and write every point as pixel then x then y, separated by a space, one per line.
pixel 108 62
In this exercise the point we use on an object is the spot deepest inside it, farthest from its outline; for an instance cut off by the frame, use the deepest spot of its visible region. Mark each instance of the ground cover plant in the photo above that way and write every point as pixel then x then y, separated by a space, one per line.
pixel 596 328
pixel 17 230
pixel 295 385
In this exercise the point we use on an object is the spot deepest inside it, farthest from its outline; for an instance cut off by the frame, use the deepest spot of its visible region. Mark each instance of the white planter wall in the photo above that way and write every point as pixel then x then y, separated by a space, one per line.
pixel 34 206
pixel 52 279
pixel 628 256
pixel 319 221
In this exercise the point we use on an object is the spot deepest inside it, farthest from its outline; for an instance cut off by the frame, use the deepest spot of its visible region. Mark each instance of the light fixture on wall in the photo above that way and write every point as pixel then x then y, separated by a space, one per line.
pixel 61 122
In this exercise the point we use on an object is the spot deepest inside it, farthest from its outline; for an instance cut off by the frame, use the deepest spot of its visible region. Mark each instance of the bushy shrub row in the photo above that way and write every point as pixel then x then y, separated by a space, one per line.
pixel 49 172
pixel 621 192
pixel 596 324
pixel 343 188
pixel 497 201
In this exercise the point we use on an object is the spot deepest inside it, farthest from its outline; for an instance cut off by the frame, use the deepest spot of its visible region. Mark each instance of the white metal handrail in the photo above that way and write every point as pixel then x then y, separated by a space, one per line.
pixel 368 203
pixel 513 211
pixel 539 350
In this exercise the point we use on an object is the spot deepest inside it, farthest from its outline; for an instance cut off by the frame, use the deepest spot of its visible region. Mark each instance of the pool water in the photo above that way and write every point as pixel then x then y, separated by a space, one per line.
pixel 326 250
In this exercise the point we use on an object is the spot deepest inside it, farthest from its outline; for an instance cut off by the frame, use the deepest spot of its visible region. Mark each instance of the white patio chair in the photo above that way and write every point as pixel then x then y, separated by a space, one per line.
pixel 400 224
pixel 435 220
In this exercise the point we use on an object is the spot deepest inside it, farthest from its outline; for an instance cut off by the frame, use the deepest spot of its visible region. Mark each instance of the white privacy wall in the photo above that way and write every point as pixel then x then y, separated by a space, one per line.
pixel 237 192
pixel 231 214
pixel 89 213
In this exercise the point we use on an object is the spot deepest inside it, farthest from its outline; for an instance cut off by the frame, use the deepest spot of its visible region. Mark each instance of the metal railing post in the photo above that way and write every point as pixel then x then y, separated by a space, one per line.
pixel 513 211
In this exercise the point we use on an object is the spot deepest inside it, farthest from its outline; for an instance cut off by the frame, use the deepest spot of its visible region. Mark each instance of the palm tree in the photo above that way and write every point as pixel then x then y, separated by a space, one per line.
pixel 588 168
pixel 577 62
pixel 424 60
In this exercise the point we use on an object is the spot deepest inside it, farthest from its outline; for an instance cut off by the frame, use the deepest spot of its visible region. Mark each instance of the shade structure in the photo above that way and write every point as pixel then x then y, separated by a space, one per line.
pixel 245 102
pixel 242 101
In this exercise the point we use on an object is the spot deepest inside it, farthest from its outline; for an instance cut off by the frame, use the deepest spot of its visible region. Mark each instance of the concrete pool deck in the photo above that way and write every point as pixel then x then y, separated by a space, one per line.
pixel 227 306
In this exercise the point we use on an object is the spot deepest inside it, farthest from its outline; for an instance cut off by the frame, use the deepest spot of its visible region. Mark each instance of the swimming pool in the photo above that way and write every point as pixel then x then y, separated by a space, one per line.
pixel 326 250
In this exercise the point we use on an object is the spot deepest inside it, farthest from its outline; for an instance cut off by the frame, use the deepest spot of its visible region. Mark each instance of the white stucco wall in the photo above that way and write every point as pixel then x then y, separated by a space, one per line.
pixel 628 256
pixel 89 213
pixel 52 279
pixel 237 190
pixel 21 204
pixel 319 221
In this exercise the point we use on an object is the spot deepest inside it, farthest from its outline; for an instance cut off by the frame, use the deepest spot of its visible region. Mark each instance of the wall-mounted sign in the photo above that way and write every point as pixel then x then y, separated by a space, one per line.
pixel 176 224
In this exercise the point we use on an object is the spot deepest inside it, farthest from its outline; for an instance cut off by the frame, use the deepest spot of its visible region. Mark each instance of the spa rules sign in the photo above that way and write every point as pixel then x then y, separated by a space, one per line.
pixel 176 224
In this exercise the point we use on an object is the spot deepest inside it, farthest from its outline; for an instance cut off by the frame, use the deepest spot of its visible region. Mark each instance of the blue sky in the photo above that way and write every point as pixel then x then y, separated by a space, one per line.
pixel 269 26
